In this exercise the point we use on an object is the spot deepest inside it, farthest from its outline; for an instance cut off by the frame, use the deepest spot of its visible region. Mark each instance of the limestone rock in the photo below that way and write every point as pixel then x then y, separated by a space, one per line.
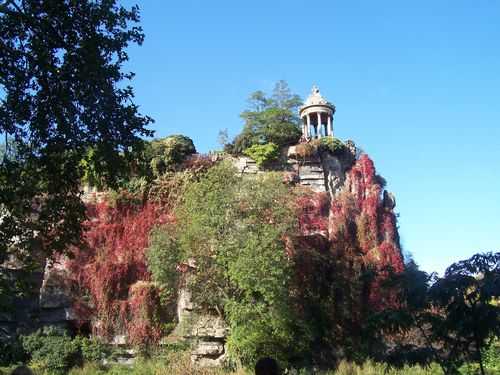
pixel 209 326
pixel 119 340
pixel 389 200
pixel 204 361
pixel 184 305
pixel 334 173
pixel 210 348
pixel 246 165
pixel 56 289
pixel 207 333
pixel 55 315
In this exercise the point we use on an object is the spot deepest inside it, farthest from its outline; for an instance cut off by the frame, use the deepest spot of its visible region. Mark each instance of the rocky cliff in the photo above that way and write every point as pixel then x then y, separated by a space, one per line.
pixel 343 191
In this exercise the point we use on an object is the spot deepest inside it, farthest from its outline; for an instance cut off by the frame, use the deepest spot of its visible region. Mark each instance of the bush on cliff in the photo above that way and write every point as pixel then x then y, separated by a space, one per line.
pixel 263 154
pixel 333 145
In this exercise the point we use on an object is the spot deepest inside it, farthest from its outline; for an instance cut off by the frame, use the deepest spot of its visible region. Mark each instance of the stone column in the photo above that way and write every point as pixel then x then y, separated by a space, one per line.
pixel 308 126
pixel 319 125
pixel 329 128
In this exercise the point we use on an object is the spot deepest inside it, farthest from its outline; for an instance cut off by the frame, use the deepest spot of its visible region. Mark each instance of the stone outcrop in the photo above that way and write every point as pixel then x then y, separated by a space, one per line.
pixel 48 303
pixel 321 171
pixel 244 164
pixel 206 333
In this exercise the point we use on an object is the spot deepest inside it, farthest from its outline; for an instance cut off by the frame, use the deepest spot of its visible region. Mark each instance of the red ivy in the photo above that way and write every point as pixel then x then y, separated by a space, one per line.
pixel 359 220
pixel 111 262
pixel 313 213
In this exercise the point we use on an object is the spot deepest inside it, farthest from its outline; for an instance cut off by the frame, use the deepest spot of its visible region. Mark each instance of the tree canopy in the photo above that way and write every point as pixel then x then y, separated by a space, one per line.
pixel 270 119
pixel 455 316
pixel 63 91
pixel 168 152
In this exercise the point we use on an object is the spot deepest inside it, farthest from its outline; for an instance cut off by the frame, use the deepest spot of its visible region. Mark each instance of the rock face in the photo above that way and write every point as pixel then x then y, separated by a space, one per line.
pixel 209 341
pixel 50 301
pixel 206 333
pixel 320 171
pixel 246 165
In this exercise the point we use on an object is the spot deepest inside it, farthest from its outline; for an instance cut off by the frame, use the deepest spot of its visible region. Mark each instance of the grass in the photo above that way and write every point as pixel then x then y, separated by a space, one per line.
pixel 181 365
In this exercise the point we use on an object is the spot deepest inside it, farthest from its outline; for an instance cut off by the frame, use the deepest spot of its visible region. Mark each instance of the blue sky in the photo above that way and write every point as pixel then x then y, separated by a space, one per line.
pixel 416 85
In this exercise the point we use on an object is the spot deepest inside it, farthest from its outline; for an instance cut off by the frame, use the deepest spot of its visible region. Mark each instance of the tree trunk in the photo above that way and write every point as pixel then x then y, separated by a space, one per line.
pixel 480 357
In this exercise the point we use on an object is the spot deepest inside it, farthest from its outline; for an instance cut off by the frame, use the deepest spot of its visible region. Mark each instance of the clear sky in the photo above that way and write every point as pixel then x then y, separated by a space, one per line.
pixel 416 85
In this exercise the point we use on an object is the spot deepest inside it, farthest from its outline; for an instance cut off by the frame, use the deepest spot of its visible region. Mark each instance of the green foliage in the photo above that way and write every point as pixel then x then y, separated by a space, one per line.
pixel 163 256
pixel 168 152
pixel 333 145
pixel 64 92
pixel 234 230
pixel 179 364
pixel 11 352
pixel 263 154
pixel 91 349
pixel 455 315
pixel 466 294
pixel 137 186
pixel 374 368
pixel 491 356
pixel 51 351
pixel 170 363
pixel 269 120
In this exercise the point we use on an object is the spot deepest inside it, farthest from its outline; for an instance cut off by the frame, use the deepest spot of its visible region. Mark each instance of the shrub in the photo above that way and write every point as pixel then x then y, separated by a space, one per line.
pixel 144 326
pixel 11 352
pixel 263 154
pixel 169 152
pixel 92 349
pixel 333 145
pixel 136 186
pixel 492 357
pixel 326 144
pixel 50 351
pixel 163 256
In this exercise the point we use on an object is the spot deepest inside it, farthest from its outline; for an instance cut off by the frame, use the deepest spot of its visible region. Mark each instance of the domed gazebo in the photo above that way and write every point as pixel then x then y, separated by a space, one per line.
pixel 317 116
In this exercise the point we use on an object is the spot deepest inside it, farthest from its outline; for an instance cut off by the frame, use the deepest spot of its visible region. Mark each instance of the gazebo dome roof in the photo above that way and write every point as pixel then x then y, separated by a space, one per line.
pixel 315 99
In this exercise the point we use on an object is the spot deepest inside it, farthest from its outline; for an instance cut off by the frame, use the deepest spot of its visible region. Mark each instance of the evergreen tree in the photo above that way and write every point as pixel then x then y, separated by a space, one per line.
pixel 271 119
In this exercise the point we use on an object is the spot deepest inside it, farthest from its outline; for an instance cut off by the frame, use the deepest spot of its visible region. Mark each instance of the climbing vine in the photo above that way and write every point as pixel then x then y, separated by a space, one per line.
pixel 111 273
